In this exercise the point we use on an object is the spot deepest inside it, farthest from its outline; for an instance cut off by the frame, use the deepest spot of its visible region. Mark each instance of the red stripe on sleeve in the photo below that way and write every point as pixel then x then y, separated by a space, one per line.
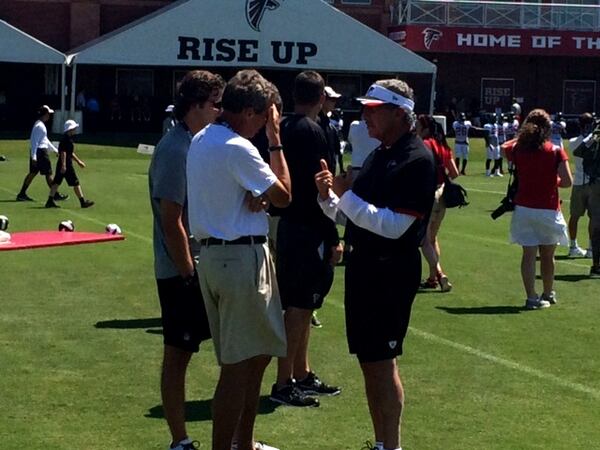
pixel 410 212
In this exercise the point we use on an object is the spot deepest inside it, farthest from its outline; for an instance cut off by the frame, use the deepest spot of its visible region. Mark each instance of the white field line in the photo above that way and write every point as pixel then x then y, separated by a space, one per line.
pixel 89 219
pixel 507 363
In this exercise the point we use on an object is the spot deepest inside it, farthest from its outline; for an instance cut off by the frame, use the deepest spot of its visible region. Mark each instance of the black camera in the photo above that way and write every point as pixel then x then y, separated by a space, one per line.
pixel 507 204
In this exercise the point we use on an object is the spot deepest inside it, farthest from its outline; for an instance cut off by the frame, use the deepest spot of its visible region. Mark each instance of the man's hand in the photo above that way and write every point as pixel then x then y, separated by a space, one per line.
pixel 324 180
pixel 337 251
pixel 272 128
pixel 256 204
pixel 63 169
pixel 342 183
pixel 81 164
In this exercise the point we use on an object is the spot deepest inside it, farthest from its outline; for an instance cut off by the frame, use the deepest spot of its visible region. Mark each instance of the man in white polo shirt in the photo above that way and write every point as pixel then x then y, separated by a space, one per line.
pixel 235 267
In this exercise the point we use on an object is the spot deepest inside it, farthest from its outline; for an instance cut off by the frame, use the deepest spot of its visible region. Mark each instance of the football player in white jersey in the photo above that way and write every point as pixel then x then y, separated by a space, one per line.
pixel 558 129
pixel 461 142
pixel 492 145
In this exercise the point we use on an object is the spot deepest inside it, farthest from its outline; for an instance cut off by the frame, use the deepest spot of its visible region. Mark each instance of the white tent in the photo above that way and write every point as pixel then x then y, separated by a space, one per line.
pixel 274 34
pixel 19 47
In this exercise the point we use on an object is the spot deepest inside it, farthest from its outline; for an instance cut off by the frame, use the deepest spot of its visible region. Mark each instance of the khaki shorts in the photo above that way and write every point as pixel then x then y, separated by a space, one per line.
pixel 580 200
pixel 242 301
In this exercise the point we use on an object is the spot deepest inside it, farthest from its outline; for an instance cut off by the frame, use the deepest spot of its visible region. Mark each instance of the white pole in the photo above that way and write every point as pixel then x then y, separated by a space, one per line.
pixel 63 86
pixel 73 89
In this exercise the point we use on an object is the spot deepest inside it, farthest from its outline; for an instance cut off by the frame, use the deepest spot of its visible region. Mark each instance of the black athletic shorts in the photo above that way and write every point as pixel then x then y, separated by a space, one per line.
pixel 42 165
pixel 69 175
pixel 184 319
pixel 379 294
pixel 304 274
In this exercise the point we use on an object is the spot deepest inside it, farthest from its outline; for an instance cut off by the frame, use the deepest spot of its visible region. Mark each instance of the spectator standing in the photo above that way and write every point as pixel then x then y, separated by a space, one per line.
pixel 387 208
pixel 306 239
pixel 236 276
pixel 580 193
pixel 183 314
pixel 537 223
pixel 433 137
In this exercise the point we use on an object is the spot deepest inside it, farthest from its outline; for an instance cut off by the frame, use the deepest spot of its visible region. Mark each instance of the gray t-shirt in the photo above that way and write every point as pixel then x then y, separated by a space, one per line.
pixel 167 181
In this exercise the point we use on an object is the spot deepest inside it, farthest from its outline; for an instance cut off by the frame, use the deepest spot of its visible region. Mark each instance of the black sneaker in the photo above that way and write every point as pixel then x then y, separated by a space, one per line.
pixel 290 395
pixel 60 197
pixel 50 204
pixel 595 272
pixel 24 198
pixel 312 385
pixel 369 446
pixel 186 444
pixel 87 203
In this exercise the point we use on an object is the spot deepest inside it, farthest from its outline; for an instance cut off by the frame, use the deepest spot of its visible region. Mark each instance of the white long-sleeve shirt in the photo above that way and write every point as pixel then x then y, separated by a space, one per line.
pixel 381 221
pixel 39 139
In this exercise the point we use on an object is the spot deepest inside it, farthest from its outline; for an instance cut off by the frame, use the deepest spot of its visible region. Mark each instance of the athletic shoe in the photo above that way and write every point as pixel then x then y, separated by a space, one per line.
pixel 87 203
pixel 314 321
pixel 24 198
pixel 290 395
pixel 445 284
pixel 429 283
pixel 257 446
pixel 576 252
pixel 50 204
pixel 186 444
pixel 595 272
pixel 536 303
pixel 550 298
pixel 369 446
pixel 498 174
pixel 588 253
pixel 263 446
pixel 60 197
pixel 312 385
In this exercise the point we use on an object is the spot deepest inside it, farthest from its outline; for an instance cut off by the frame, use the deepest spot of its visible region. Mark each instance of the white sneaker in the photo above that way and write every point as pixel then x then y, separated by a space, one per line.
pixel 536 303
pixel 550 298
pixel 576 252
pixel 257 446
pixel 263 446
pixel 588 253
pixel 498 174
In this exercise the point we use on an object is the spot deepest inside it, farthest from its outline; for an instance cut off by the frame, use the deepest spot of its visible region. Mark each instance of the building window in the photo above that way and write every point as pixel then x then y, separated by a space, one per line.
pixel 355 2
pixel 134 82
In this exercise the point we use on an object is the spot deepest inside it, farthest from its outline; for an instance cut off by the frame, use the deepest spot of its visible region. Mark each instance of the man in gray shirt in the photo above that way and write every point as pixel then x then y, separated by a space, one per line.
pixel 182 309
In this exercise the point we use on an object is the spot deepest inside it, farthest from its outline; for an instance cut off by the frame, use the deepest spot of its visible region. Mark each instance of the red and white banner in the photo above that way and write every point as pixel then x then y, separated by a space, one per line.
pixel 440 39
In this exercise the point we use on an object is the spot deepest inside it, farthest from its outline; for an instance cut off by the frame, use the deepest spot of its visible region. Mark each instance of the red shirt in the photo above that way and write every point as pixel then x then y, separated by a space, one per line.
pixel 537 171
pixel 443 156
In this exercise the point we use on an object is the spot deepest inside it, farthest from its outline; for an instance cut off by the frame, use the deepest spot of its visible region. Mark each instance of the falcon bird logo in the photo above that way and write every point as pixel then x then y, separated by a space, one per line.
pixel 255 10
pixel 430 35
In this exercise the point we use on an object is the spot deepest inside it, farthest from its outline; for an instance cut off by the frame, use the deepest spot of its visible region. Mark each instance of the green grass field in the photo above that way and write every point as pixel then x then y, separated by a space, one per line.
pixel 80 342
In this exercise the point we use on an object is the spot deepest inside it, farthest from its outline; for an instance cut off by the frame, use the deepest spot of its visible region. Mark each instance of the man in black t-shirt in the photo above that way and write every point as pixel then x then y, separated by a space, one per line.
pixel 386 210
pixel 65 169
pixel 308 245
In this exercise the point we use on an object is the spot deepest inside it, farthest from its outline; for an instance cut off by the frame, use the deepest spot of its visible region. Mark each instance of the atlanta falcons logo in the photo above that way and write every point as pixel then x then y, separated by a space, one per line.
pixel 430 35
pixel 255 10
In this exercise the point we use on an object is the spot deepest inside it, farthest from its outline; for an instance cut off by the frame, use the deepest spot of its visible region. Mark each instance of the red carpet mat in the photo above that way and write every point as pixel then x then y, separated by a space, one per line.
pixel 38 239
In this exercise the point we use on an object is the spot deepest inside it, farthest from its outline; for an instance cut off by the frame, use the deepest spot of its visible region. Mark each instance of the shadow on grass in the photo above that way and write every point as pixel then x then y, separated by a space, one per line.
pixel 199 410
pixel 123 324
pixel 572 277
pixel 482 310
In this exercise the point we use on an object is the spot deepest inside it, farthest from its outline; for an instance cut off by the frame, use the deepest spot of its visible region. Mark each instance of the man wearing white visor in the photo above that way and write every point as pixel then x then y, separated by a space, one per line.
pixel 386 210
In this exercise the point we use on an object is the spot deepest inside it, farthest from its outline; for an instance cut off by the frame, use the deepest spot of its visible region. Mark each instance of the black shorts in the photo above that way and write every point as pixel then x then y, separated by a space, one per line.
pixel 304 274
pixel 184 319
pixel 42 165
pixel 69 175
pixel 379 295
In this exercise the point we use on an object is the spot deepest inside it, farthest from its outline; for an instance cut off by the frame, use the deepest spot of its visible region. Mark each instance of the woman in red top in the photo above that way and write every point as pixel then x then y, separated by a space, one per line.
pixel 537 222
pixel 433 136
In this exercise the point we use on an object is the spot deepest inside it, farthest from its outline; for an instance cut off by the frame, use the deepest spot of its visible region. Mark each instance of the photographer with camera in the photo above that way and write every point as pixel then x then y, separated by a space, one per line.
pixel 537 222
pixel 589 151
